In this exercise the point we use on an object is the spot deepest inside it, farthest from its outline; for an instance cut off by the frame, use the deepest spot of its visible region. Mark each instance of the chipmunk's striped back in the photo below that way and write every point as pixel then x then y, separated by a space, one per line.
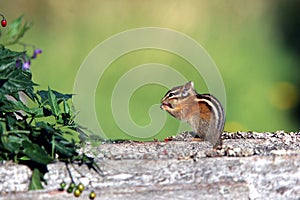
pixel 216 108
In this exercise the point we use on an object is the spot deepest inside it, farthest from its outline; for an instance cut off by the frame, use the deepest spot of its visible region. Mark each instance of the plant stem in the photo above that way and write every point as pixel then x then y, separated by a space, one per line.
pixel 53 147
pixel 17 131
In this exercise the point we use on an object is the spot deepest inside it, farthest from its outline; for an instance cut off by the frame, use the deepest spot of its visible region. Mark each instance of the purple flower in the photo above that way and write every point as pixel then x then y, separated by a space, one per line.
pixel 26 65
pixel 18 63
pixel 36 52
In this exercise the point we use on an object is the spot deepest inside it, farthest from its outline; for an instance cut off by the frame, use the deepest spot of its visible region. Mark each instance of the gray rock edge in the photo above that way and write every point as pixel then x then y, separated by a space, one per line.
pixel 249 166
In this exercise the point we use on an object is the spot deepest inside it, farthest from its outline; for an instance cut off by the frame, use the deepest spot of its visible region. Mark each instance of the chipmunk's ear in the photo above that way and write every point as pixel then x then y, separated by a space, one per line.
pixel 189 85
pixel 188 89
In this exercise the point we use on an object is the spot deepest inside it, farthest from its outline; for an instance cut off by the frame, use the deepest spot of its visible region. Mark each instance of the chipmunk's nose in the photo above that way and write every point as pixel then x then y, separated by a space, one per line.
pixel 163 106
pixel 166 106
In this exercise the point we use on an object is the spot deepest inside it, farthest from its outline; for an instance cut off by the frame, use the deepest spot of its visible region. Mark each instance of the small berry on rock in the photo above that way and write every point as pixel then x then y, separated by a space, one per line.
pixel 77 193
pixel 63 185
pixel 80 187
pixel 92 195
pixel 70 189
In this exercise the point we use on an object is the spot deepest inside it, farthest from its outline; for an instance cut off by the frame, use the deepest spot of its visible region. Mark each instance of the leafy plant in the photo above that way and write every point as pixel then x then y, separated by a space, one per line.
pixel 43 132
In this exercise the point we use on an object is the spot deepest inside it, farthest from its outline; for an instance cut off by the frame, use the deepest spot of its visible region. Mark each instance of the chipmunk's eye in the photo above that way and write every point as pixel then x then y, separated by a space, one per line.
pixel 171 94
pixel 185 93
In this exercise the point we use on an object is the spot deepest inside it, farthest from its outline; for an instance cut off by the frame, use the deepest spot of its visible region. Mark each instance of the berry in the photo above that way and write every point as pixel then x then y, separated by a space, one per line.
pixel 72 185
pixel 80 187
pixel 63 185
pixel 70 189
pixel 3 22
pixel 92 195
pixel 77 193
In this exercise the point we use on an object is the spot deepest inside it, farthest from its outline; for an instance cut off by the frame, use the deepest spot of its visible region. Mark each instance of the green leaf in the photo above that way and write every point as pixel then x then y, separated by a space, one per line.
pixel 11 143
pixel 14 106
pixel 24 158
pixel 53 102
pixel 45 126
pixel 59 96
pixel 16 30
pixel 7 56
pixel 15 79
pixel 2 127
pixel 65 148
pixel 36 153
pixel 35 182
pixel 66 107
pixel 37 112
pixel 14 27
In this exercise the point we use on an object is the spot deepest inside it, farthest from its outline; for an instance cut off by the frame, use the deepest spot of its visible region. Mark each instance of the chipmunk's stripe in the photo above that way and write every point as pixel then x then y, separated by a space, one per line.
pixel 176 94
pixel 216 107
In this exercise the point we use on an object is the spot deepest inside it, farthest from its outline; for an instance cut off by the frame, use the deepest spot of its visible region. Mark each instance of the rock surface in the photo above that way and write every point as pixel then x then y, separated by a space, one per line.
pixel 249 166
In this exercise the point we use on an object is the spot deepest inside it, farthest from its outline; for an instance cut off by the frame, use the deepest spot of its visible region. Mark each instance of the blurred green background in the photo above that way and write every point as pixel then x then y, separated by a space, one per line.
pixel 248 40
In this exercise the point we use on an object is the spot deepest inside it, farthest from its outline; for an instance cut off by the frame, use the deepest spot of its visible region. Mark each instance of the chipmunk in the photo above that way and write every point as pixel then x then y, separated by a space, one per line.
pixel 203 112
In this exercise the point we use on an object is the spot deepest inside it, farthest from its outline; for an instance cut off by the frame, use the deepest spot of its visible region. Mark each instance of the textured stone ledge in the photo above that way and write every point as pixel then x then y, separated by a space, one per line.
pixel 250 166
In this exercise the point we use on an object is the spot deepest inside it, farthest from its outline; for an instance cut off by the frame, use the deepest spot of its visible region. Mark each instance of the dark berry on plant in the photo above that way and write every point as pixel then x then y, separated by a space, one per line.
pixel 70 189
pixel 77 193
pixel 3 22
pixel 72 185
pixel 80 187
pixel 63 185
pixel 92 195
